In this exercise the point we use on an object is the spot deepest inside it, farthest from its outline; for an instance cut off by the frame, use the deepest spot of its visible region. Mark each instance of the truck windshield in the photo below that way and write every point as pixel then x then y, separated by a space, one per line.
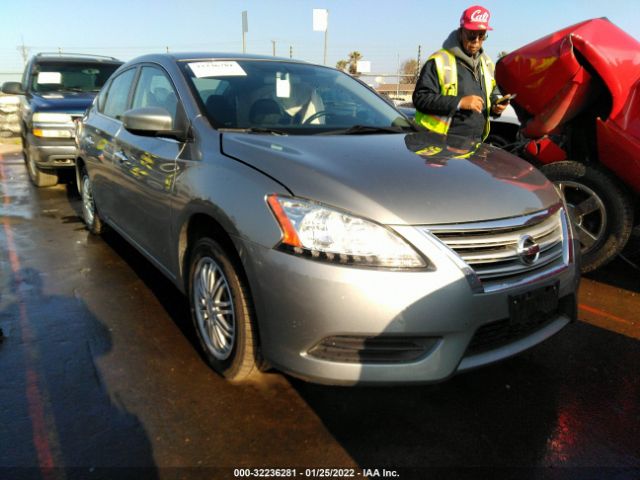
pixel 288 98
pixel 74 77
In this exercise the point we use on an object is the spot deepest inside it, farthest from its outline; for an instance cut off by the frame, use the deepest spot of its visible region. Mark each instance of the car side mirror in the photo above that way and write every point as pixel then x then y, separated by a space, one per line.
pixel 152 122
pixel 12 88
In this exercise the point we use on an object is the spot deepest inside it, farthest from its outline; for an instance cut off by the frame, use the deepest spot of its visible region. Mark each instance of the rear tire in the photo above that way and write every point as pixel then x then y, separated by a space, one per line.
pixel 222 311
pixel 89 212
pixel 600 208
pixel 39 177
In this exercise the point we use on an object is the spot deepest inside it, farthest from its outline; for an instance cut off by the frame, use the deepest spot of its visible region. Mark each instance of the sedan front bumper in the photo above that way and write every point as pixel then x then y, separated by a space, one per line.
pixel 302 303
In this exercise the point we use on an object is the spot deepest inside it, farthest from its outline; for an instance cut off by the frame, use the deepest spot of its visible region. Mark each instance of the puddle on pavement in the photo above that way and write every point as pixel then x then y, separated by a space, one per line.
pixel 49 213
pixel 72 219
pixel 16 211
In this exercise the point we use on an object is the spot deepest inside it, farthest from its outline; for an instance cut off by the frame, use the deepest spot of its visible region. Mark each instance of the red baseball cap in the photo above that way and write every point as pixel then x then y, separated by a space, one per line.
pixel 475 18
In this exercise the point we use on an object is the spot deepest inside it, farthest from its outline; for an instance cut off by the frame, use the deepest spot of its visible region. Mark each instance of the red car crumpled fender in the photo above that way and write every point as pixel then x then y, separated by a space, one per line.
pixel 559 76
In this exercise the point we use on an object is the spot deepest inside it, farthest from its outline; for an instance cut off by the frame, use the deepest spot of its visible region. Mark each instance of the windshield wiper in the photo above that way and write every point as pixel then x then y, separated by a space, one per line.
pixel 272 131
pixel 71 89
pixel 368 129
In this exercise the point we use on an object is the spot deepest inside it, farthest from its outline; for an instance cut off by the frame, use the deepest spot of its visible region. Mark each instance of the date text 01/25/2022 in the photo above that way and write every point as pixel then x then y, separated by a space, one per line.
pixel 314 473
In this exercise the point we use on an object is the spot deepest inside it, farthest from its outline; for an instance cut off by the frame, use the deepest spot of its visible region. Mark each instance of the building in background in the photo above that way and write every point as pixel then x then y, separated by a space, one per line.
pixel 401 92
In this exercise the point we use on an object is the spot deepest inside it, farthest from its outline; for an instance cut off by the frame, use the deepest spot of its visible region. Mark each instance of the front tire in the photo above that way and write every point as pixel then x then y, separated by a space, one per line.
pixel 39 177
pixel 600 209
pixel 222 311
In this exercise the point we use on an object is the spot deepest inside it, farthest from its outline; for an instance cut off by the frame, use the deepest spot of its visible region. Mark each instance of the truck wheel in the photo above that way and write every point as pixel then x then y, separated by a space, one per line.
pixel 39 177
pixel 89 212
pixel 600 209
pixel 222 311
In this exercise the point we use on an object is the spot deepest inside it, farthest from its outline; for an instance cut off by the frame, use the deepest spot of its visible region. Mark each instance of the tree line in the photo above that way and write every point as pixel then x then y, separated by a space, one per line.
pixel 409 69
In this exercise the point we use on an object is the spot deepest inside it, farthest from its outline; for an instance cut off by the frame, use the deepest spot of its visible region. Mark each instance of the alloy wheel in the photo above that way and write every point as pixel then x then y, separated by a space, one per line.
pixel 214 308
pixel 88 207
pixel 587 211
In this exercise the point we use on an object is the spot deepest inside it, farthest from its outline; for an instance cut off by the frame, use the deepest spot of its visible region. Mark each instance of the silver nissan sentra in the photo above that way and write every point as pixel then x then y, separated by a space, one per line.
pixel 315 230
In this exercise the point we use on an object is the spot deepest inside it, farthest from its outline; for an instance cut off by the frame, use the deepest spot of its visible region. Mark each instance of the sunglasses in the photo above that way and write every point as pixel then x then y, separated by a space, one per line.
pixel 474 35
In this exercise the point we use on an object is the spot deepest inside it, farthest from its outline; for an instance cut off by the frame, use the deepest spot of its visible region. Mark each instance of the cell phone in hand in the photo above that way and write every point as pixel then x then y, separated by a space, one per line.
pixel 506 98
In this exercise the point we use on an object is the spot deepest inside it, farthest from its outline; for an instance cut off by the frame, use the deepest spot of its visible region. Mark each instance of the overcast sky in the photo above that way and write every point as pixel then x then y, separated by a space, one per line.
pixel 384 31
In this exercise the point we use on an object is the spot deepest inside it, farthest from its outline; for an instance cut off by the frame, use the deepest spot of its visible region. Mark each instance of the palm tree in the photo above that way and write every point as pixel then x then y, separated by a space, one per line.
pixel 354 57
pixel 342 65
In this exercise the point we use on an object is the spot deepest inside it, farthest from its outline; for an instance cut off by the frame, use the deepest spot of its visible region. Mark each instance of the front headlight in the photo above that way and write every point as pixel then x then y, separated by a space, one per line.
pixel 322 233
pixel 52 133
pixel 50 117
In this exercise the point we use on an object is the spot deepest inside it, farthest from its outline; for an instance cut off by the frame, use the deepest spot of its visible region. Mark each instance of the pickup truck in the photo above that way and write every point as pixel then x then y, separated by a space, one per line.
pixel 55 90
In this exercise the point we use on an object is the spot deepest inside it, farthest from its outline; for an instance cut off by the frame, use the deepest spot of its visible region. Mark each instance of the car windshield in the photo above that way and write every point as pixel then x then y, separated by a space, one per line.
pixel 70 77
pixel 288 98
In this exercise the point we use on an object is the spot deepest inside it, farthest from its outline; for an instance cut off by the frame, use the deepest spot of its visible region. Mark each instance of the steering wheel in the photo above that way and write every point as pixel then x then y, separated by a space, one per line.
pixel 321 113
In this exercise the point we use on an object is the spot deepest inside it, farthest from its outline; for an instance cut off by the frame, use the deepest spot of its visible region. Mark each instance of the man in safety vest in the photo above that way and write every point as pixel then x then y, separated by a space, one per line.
pixel 456 91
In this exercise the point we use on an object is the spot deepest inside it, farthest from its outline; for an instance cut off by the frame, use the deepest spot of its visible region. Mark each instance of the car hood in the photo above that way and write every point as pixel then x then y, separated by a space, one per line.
pixel 415 179
pixel 72 102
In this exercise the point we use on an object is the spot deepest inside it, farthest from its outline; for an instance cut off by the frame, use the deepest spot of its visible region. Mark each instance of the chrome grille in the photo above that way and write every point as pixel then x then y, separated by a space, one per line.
pixel 491 249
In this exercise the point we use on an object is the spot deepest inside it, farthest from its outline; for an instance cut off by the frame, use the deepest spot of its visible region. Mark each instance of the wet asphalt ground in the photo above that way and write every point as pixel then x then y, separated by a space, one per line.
pixel 100 377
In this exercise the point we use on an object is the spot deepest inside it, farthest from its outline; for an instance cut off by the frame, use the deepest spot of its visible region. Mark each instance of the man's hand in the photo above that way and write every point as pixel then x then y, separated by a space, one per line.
pixel 472 102
pixel 498 108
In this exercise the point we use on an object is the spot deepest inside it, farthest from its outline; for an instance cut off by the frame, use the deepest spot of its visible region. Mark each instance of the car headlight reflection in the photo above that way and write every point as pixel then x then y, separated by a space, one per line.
pixel 322 233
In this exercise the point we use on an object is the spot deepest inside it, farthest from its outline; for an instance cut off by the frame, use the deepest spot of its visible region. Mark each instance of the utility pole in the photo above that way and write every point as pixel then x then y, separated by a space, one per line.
pixel 398 84
pixel 273 45
pixel 415 80
pixel 321 24
pixel 245 29
pixel 326 33
pixel 24 51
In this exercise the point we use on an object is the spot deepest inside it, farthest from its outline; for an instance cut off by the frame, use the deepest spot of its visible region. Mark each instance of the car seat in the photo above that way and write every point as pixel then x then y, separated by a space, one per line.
pixel 266 111
pixel 303 103
pixel 221 110
pixel 166 99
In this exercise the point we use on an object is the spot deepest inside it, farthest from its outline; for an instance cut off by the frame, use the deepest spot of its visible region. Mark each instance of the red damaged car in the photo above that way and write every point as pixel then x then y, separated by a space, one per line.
pixel 578 101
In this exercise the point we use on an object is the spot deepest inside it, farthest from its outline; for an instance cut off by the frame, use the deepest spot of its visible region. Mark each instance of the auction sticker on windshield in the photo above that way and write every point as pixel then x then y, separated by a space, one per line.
pixel 49 77
pixel 217 69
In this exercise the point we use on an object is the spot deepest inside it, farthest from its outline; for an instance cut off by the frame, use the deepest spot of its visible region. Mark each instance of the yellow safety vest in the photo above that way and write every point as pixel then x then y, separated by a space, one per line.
pixel 448 78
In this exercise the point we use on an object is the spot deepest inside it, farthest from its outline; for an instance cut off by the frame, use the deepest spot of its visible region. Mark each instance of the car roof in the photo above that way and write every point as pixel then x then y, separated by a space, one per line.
pixel 83 60
pixel 187 56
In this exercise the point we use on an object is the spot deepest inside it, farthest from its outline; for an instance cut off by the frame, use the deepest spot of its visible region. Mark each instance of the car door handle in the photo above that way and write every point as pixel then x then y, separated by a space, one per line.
pixel 121 157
